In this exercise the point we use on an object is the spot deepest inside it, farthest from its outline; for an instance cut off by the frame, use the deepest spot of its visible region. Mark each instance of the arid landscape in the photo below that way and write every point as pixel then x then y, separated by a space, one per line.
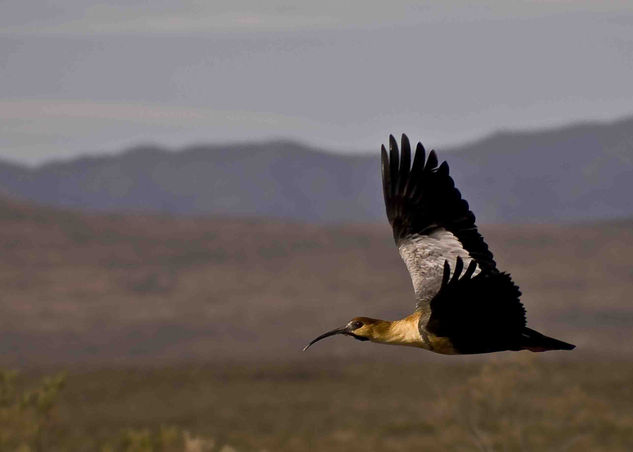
pixel 184 332
pixel 508 402
pixel 89 288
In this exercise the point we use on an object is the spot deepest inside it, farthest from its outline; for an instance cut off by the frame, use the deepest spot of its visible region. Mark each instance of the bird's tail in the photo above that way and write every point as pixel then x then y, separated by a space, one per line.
pixel 537 342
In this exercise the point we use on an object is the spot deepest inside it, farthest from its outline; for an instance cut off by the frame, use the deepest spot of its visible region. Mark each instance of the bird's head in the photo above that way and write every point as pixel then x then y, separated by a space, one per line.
pixel 360 328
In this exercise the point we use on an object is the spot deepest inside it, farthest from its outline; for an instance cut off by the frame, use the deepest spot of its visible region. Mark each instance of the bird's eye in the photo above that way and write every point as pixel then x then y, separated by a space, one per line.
pixel 356 324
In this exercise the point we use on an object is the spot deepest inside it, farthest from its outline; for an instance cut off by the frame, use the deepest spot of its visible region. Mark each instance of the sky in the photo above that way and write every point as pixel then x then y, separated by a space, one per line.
pixel 88 77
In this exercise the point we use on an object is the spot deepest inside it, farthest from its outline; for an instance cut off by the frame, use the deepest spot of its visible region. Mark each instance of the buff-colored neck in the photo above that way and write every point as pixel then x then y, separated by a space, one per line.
pixel 398 332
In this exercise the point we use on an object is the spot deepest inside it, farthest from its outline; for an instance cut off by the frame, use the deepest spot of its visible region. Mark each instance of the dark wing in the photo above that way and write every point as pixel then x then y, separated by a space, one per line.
pixel 430 220
pixel 478 314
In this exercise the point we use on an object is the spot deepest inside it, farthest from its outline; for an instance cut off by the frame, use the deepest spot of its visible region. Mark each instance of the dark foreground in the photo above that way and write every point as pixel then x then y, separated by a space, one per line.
pixel 507 402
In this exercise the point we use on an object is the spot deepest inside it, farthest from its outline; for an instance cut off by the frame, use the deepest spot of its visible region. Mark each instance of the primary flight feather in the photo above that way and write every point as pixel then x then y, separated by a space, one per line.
pixel 464 304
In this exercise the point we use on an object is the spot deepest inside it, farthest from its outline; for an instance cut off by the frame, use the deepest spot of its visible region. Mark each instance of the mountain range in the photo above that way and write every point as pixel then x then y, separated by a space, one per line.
pixel 582 172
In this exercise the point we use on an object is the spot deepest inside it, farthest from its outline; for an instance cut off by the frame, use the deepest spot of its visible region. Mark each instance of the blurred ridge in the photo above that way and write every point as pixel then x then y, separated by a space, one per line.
pixel 576 173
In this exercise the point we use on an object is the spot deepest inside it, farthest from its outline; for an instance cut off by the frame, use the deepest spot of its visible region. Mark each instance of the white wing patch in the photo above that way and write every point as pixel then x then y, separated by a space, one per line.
pixel 424 256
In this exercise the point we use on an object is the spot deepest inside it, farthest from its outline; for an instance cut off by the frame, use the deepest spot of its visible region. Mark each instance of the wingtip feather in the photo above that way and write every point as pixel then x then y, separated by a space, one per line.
pixel 447 273
pixel 459 266
pixel 431 160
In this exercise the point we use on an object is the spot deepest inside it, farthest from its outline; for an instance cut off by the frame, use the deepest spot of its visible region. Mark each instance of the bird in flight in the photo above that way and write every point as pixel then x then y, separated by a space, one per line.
pixel 464 304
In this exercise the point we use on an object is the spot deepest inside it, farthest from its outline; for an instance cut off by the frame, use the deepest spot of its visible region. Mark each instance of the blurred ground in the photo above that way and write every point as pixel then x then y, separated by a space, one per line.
pixel 113 289
pixel 185 334
pixel 505 402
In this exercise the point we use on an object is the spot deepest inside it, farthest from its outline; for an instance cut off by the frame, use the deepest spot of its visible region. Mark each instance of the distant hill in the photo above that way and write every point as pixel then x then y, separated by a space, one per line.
pixel 581 172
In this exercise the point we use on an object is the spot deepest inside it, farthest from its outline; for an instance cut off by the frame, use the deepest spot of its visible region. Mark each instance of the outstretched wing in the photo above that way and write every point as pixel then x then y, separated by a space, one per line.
pixel 431 222
pixel 478 314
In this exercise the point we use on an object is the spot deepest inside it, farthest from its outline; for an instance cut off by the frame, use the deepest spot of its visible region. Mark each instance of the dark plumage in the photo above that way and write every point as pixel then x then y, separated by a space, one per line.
pixel 422 198
pixel 479 313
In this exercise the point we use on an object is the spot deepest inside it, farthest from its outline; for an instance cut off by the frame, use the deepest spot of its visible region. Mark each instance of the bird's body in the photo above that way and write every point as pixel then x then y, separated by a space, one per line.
pixel 464 304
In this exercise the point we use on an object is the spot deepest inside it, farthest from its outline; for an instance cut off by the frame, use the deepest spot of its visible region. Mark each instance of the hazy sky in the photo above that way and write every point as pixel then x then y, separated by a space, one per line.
pixel 81 76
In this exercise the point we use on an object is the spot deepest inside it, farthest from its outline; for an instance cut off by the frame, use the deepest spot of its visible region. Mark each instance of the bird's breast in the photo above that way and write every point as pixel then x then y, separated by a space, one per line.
pixel 439 344
pixel 407 332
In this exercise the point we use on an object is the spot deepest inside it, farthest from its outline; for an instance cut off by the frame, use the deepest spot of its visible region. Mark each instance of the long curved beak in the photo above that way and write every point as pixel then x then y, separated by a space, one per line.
pixel 328 334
